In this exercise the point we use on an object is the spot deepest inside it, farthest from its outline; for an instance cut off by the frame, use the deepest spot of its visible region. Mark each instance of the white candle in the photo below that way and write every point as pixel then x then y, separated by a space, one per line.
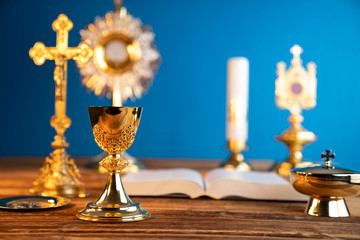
pixel 237 99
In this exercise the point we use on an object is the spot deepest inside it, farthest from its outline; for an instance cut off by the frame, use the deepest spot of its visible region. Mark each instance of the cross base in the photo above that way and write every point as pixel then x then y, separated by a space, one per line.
pixel 59 177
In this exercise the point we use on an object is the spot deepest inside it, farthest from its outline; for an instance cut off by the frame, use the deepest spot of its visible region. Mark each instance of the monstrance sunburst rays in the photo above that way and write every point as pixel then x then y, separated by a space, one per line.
pixel 125 57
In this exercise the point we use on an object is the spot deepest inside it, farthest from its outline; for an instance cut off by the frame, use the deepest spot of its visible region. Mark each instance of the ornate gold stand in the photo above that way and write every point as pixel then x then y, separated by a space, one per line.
pixel 295 137
pixel 236 160
pixel 59 175
pixel 114 129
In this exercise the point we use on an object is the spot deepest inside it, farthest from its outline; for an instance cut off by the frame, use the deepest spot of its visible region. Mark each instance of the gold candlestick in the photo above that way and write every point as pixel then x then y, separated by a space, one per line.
pixel 114 129
pixel 236 160
pixel 295 90
pixel 59 174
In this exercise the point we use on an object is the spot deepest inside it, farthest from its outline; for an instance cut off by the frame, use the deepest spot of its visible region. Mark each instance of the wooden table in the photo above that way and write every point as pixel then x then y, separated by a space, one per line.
pixel 180 218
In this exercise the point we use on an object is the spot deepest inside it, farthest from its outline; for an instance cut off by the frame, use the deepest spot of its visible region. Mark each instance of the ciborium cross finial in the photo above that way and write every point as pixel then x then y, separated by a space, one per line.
pixel 59 174
pixel 328 156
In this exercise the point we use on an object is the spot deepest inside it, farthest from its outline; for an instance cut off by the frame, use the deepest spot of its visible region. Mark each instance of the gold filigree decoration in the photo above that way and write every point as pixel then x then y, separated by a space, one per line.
pixel 30 203
pixel 114 144
pixel 114 164
pixel 296 87
pixel 58 170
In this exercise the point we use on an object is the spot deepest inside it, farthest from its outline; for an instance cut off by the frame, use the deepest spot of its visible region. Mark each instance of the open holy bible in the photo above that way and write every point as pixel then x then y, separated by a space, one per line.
pixel 218 183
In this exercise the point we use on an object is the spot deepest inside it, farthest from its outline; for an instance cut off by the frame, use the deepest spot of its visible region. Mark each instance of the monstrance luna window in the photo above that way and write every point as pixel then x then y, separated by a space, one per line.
pixel 125 57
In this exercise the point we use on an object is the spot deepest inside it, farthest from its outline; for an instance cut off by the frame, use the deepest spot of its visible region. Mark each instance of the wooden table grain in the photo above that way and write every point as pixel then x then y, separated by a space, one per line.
pixel 172 218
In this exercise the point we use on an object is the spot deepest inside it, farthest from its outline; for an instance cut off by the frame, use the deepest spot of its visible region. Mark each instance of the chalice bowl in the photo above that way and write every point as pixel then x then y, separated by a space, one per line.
pixel 114 129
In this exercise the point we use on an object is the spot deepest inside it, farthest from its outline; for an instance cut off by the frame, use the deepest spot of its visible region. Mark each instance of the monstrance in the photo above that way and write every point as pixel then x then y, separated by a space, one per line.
pixel 59 175
pixel 295 89
pixel 124 61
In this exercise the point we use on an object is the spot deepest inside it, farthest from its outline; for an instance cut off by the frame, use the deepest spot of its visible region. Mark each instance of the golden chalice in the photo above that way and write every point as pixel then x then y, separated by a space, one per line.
pixel 114 130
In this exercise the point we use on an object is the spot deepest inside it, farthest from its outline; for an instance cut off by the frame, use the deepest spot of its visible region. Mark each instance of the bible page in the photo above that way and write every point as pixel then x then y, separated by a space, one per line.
pixel 222 183
pixel 164 182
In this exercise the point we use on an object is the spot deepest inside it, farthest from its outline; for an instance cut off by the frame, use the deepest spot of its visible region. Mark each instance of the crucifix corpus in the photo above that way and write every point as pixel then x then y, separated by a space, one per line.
pixel 59 174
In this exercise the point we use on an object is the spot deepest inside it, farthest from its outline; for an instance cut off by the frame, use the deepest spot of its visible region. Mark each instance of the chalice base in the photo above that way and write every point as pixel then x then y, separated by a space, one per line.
pixel 283 168
pixel 327 207
pixel 236 162
pixel 113 205
pixel 131 212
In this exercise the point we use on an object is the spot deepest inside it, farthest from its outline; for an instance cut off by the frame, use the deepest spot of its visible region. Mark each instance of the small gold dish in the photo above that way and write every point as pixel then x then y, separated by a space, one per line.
pixel 32 202
pixel 327 187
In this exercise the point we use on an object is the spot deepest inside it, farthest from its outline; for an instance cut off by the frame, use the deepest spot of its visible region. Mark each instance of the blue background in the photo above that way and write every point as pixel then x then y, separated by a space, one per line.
pixel 184 111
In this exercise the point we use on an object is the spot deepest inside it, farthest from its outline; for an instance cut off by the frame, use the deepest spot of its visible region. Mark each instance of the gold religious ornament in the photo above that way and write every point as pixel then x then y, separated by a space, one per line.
pixel 237 94
pixel 59 174
pixel 114 129
pixel 327 187
pixel 236 161
pixel 295 89
pixel 124 62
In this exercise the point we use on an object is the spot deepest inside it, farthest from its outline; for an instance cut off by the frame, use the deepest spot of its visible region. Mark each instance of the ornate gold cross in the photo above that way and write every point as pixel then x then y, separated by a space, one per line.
pixel 60 54
pixel 59 172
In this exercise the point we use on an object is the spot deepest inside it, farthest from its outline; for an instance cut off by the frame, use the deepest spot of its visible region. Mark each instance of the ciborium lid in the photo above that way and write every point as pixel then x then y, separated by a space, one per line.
pixel 327 172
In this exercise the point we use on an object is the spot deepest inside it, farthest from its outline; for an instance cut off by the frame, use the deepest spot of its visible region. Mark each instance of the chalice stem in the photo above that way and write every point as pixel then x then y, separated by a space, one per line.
pixel 113 193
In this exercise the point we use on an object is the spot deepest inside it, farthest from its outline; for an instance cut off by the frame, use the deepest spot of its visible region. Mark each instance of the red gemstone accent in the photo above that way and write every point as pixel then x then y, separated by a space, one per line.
pixel 296 88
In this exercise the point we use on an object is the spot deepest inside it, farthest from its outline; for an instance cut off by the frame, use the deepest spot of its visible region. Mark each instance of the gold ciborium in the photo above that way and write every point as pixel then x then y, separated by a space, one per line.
pixel 114 129
pixel 327 186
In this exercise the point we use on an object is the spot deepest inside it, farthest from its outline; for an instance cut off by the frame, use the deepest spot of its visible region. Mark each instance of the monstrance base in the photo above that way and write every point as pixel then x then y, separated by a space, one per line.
pixel 327 207
pixel 128 213
pixel 283 168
